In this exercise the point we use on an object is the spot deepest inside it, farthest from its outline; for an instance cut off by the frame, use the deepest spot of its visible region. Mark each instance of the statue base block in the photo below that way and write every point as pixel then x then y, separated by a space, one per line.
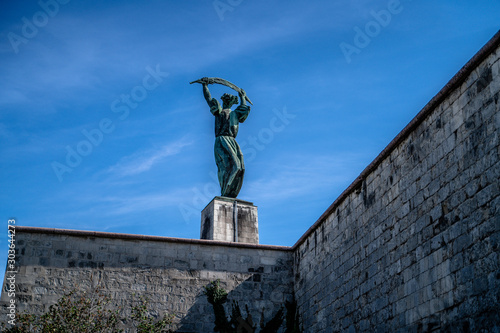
pixel 230 220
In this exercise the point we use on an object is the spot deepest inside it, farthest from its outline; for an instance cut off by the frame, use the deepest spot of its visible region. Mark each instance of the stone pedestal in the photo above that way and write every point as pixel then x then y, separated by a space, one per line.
pixel 222 216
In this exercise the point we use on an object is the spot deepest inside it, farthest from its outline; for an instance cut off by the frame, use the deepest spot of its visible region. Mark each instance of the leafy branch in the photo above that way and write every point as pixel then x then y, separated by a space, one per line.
pixel 87 313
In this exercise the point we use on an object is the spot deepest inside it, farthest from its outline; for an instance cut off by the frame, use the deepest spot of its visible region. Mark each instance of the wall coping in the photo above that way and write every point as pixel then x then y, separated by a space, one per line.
pixel 113 235
pixel 454 83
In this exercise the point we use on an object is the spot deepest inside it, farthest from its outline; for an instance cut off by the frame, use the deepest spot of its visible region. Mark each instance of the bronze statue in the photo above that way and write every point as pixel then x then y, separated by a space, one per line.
pixel 228 155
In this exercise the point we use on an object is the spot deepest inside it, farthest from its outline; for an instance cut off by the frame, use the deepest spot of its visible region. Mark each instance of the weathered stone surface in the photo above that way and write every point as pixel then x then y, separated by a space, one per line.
pixel 415 246
pixel 217 221
pixel 171 273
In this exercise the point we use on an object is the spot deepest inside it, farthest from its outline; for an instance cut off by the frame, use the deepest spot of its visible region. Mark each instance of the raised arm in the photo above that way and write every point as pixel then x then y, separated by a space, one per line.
pixel 207 95
pixel 243 96
pixel 243 109
pixel 212 102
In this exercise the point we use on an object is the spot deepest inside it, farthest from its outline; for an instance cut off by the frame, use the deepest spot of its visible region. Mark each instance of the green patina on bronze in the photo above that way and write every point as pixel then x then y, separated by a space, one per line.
pixel 228 155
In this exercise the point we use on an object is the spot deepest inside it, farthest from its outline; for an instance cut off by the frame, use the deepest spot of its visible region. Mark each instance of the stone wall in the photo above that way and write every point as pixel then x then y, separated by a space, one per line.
pixel 170 272
pixel 413 244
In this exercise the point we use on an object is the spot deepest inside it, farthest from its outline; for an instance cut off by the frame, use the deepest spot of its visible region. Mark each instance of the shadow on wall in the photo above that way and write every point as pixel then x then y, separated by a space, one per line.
pixel 247 297
pixel 171 276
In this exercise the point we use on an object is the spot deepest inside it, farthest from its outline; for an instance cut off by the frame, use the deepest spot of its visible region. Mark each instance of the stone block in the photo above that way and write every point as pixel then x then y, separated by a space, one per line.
pixel 222 216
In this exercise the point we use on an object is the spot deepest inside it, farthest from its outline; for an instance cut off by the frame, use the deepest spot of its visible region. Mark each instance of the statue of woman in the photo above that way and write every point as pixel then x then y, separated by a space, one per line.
pixel 228 155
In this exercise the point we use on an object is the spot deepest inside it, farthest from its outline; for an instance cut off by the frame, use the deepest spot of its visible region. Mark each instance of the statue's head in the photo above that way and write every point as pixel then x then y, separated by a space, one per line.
pixel 228 100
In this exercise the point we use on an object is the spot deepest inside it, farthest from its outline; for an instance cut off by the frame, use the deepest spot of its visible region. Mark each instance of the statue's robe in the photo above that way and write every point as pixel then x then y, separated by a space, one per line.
pixel 228 155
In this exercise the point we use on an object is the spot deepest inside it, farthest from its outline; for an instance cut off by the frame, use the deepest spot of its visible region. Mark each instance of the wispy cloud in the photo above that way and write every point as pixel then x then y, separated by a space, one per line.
pixel 143 161
pixel 118 210
pixel 143 203
pixel 307 176
pixel 81 56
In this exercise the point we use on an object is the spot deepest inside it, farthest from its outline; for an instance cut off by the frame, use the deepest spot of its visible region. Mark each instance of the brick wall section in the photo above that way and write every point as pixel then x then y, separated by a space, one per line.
pixel 413 244
pixel 171 273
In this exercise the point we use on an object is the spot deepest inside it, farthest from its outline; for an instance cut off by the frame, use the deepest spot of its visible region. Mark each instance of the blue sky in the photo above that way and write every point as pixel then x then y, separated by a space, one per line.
pixel 101 130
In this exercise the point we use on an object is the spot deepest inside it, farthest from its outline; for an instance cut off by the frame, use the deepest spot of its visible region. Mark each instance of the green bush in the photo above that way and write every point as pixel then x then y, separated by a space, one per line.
pixel 147 324
pixel 86 313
